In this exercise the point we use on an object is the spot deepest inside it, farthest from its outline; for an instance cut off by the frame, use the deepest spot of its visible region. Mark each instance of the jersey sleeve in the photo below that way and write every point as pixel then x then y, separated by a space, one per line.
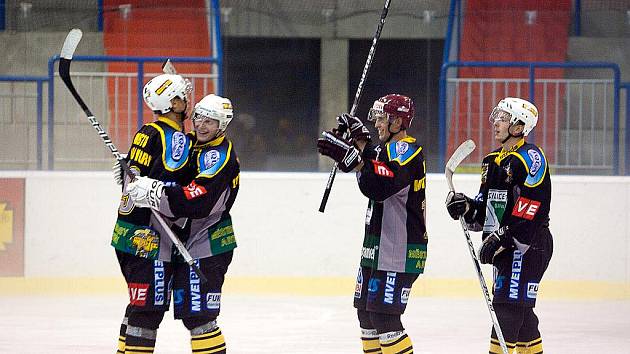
pixel 529 200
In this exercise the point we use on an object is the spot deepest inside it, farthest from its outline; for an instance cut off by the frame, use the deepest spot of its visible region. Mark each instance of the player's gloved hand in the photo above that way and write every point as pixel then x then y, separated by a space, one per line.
pixel 492 244
pixel 146 192
pixel 457 204
pixel 334 146
pixel 354 126
pixel 118 172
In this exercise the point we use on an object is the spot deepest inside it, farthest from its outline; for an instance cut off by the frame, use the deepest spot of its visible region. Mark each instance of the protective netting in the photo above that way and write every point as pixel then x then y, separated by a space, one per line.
pixel 326 11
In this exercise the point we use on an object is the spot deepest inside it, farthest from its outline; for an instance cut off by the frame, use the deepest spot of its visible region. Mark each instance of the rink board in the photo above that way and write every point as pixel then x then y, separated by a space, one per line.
pixel 285 246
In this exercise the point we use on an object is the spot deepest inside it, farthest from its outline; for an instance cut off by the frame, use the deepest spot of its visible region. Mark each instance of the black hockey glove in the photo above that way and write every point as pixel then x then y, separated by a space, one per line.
pixel 334 146
pixel 492 243
pixel 457 204
pixel 354 126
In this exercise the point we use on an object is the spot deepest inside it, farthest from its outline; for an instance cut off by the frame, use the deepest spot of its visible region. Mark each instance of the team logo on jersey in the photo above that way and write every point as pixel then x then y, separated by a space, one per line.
pixel 495 208
pixel 401 147
pixel 358 287
pixel 404 295
pixel 498 282
pixel 158 277
pixel 390 286
pixel 195 291
pixel 178 297
pixel 368 252
pixel 193 190
pixel 532 290
pixel 178 144
pixel 525 208
pixel 138 294
pixel 517 264
pixel 378 150
pixel 536 161
pixel 373 285
pixel 381 169
pixel 213 301
pixel 145 241
pixel 508 172
pixel 211 158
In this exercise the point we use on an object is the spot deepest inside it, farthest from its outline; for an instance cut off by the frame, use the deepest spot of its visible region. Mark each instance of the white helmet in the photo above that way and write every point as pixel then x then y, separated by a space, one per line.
pixel 519 110
pixel 214 107
pixel 160 90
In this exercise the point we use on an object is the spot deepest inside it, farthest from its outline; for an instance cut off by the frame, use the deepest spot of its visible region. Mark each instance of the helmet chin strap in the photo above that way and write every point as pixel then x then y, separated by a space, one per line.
pixel 391 133
pixel 510 135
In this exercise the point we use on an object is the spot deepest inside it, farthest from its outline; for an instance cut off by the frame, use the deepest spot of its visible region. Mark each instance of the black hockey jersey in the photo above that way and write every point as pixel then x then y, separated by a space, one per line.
pixel 393 177
pixel 160 150
pixel 208 199
pixel 515 191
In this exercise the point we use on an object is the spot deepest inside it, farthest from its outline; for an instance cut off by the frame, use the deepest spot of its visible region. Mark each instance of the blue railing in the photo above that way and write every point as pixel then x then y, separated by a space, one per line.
pixel 39 80
pixel 531 66
pixel 140 61
pixel 626 86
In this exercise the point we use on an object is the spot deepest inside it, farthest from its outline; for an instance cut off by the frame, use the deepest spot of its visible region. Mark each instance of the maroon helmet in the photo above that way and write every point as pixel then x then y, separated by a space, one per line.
pixel 394 106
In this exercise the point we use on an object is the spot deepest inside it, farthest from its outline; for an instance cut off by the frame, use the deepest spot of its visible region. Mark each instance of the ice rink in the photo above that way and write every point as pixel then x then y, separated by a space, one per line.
pixel 304 324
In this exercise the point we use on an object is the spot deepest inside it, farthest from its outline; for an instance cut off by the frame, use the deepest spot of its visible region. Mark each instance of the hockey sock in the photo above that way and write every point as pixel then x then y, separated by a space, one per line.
pixel 122 336
pixel 140 340
pixel 369 339
pixel 395 343
pixel 533 347
pixel 495 346
pixel 207 343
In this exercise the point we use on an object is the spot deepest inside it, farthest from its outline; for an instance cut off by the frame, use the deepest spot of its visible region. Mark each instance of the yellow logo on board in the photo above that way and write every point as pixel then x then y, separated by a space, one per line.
pixel 6 226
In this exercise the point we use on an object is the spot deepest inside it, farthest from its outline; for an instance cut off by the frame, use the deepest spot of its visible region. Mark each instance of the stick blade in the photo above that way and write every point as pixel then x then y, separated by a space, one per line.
pixel 168 67
pixel 460 154
pixel 70 44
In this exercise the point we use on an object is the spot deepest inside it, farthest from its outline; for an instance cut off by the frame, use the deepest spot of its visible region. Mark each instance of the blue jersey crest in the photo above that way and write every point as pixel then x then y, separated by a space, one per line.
pixel 535 163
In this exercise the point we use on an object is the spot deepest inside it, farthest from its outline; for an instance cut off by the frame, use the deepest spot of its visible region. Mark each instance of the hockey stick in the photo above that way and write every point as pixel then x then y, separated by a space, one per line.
pixel 67 51
pixel 458 156
pixel 168 67
pixel 357 97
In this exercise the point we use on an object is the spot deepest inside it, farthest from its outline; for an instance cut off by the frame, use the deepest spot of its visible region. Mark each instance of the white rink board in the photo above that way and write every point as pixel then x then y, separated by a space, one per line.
pixel 280 233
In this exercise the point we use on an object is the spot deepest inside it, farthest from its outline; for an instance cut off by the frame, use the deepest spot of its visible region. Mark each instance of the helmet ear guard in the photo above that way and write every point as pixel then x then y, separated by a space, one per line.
pixel 214 107
pixel 160 90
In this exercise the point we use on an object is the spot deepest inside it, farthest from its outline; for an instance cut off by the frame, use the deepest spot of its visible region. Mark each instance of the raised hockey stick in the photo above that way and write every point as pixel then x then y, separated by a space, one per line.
pixel 458 156
pixel 67 51
pixel 168 67
pixel 357 96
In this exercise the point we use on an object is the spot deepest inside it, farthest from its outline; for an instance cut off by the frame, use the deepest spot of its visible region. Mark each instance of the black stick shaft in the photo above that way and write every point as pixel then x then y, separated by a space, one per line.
pixel 357 96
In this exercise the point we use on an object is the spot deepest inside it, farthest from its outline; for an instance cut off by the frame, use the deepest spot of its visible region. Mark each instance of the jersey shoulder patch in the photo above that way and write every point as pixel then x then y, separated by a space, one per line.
pixel 175 144
pixel 213 159
pixel 535 164
pixel 403 151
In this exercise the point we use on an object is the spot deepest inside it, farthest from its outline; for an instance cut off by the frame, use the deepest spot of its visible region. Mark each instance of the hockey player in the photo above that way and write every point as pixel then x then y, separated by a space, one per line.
pixel 159 150
pixel 206 201
pixel 392 175
pixel 512 210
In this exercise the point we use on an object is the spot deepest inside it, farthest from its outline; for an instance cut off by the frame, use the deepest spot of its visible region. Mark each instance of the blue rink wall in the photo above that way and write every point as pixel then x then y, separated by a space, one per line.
pixel 286 246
